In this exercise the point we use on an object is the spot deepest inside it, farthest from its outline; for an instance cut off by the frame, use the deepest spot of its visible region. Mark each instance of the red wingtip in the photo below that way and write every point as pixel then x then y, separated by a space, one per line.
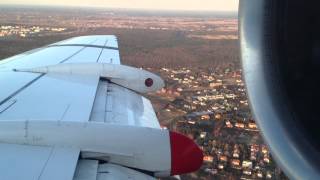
pixel 186 156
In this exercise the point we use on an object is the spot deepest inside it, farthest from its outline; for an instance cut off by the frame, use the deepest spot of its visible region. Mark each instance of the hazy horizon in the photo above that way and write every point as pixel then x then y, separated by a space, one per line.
pixel 127 11
pixel 115 8
pixel 164 5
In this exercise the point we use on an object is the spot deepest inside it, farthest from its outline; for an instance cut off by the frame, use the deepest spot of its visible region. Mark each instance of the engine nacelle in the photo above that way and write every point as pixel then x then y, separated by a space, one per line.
pixel 280 46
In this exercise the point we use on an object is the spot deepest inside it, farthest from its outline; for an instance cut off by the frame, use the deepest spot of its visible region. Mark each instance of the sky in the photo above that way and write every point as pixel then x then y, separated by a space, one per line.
pixel 197 5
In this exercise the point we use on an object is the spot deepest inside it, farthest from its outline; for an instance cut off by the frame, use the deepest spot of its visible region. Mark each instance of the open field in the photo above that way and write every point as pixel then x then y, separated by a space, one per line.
pixel 146 39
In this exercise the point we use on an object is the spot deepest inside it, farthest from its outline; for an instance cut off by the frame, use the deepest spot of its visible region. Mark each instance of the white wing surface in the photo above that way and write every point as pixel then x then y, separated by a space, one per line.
pixel 27 96
pixel 36 162
pixel 70 110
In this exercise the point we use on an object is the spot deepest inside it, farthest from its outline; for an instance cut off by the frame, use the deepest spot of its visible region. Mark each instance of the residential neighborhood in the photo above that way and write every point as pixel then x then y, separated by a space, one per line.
pixel 211 107
pixel 25 31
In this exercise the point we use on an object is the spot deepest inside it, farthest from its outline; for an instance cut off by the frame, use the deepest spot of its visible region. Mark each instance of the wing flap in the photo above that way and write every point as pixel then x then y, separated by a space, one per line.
pixel 61 164
pixel 114 172
pixel 92 170
pixel 36 162
pixel 117 105
pixel 19 158
pixel 86 170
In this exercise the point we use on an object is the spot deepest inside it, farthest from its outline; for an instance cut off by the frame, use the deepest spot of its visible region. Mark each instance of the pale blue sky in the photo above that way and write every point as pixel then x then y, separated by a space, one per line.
pixel 218 5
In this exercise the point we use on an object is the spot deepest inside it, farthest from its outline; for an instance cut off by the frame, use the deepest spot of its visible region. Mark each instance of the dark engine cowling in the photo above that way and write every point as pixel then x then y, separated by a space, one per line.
pixel 280 51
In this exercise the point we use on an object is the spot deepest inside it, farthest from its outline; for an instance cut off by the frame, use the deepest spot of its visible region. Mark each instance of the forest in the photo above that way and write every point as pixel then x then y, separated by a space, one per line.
pixel 146 48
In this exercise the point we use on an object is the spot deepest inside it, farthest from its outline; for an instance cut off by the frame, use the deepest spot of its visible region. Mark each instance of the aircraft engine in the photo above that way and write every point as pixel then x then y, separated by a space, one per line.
pixel 280 51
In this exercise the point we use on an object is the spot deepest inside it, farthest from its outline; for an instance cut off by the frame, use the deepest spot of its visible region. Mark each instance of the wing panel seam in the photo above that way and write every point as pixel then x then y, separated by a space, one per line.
pixel 85 45
pixel 44 167
pixel 102 50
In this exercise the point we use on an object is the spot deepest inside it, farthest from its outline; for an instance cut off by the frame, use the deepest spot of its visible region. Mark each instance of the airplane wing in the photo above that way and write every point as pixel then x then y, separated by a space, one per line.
pixel 71 110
